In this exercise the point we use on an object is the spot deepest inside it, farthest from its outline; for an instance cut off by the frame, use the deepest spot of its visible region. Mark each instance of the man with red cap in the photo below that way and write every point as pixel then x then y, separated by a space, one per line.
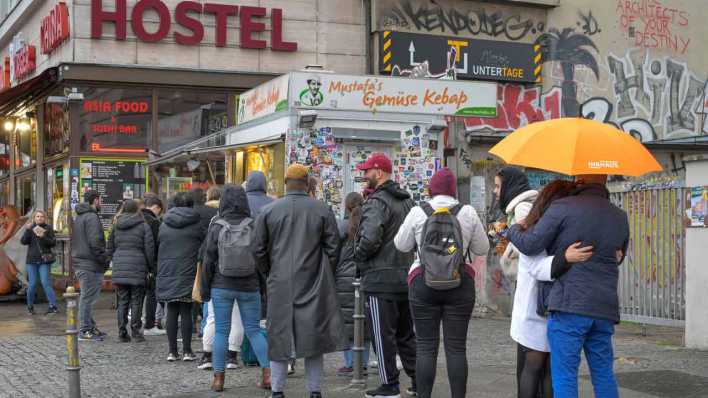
pixel 384 270
pixel 453 306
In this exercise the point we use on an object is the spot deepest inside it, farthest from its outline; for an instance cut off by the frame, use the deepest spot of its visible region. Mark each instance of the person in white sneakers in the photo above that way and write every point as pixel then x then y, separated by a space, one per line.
pixel 235 339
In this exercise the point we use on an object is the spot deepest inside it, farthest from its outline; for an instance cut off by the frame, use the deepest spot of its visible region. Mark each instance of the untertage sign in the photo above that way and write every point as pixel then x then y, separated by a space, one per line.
pixel 187 14
pixel 389 94
pixel 462 57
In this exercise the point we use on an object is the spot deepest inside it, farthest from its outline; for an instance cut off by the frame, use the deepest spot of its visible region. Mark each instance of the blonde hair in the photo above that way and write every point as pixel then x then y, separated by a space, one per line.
pixel 38 211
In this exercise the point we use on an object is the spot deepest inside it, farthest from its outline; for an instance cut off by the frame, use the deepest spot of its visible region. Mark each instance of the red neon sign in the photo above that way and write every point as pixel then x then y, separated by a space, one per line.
pixel 25 61
pixel 96 147
pixel 55 28
pixel 5 82
pixel 187 16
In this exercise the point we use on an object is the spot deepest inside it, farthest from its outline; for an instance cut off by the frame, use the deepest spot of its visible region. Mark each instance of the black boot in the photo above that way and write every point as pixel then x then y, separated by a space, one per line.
pixel 123 336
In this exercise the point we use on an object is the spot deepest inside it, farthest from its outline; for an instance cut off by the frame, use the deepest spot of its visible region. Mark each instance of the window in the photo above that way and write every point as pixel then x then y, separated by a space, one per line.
pixel 26 149
pixel 4 153
pixel 185 115
pixel 115 120
pixel 57 207
pixel 56 129
pixel 25 188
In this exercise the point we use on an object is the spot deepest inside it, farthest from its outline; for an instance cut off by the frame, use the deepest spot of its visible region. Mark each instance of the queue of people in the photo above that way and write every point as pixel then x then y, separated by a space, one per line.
pixel 290 294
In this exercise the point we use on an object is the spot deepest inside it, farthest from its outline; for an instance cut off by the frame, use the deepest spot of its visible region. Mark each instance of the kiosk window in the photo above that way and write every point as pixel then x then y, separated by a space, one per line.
pixel 185 115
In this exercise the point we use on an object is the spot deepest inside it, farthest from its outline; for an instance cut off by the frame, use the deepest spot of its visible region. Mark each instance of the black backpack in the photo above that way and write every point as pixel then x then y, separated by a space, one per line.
pixel 441 250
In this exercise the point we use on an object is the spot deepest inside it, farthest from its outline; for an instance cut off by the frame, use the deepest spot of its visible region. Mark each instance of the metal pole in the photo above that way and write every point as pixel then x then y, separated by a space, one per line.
pixel 72 343
pixel 358 381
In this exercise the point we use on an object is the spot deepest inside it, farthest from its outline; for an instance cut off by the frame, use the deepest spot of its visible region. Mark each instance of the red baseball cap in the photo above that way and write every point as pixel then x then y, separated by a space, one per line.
pixel 376 161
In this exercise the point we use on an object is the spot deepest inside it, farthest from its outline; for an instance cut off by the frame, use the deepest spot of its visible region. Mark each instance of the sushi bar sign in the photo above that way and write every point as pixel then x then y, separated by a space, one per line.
pixel 188 27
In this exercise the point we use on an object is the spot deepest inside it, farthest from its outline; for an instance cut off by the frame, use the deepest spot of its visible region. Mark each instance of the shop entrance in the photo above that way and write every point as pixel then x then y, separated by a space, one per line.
pixel 356 152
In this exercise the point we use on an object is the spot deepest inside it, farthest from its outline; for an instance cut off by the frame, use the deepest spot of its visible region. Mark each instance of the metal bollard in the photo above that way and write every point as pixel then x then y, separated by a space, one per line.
pixel 72 343
pixel 358 381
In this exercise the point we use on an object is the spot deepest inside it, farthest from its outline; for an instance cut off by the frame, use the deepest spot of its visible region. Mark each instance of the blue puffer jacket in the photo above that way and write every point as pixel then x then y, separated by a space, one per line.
pixel 588 288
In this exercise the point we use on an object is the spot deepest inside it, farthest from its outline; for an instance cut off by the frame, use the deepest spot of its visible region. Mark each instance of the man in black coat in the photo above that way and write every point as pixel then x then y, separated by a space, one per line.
pixel 384 271
pixel 296 245
pixel 151 211
pixel 88 256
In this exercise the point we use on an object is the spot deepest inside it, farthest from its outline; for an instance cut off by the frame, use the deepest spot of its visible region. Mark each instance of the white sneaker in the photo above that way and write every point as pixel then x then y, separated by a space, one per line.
pixel 154 332
pixel 374 364
pixel 291 369
pixel 172 358
pixel 188 357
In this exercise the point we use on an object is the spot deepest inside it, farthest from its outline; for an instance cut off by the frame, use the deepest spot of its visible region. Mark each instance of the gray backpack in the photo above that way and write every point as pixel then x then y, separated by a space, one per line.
pixel 235 256
pixel 441 251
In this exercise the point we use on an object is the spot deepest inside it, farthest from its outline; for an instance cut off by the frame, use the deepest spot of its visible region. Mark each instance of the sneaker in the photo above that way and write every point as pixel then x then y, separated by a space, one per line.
pixel 374 364
pixel 385 391
pixel 315 395
pixel 52 310
pixel 345 371
pixel 154 332
pixel 291 368
pixel 124 338
pixel 189 357
pixel 89 336
pixel 205 361
pixel 412 391
pixel 172 357
pixel 277 395
pixel 232 360
pixel 30 310
pixel 99 333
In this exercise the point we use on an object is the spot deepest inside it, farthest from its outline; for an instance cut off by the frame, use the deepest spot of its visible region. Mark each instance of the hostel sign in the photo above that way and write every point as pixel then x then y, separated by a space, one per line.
pixel 389 94
pixel 465 58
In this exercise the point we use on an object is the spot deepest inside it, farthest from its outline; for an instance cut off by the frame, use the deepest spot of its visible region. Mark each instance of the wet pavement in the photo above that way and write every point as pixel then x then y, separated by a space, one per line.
pixel 650 362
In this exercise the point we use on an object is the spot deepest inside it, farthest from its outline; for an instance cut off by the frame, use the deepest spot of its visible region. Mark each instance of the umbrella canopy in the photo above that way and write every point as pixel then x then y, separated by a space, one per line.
pixel 576 146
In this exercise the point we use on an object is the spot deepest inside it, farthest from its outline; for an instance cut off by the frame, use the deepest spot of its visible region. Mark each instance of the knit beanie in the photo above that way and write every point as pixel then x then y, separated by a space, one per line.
pixel 443 183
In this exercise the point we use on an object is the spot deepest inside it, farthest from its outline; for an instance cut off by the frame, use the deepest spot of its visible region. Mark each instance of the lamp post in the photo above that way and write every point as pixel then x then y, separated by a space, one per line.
pixel 72 343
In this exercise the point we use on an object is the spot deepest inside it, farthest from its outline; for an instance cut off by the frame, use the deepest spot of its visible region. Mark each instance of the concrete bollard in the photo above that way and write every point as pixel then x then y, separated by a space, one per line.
pixel 72 343
pixel 358 381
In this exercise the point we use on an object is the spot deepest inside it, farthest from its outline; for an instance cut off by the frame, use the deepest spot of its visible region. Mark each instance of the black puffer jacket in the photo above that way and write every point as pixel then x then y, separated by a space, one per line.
pixel 131 246
pixel 37 246
pixel 153 222
pixel 383 268
pixel 88 244
pixel 233 208
pixel 180 238
pixel 344 276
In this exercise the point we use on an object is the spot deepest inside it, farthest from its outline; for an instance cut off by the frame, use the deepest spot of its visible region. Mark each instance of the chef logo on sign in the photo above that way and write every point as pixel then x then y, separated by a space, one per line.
pixel 312 96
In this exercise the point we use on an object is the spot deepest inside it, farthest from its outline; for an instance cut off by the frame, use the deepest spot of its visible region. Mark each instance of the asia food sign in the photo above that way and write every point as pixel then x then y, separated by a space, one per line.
pixel 389 94
pixel 403 54
pixel 263 100
pixel 55 28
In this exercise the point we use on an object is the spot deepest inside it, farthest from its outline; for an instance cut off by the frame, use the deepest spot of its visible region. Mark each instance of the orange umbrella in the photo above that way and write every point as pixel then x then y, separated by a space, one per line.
pixel 575 146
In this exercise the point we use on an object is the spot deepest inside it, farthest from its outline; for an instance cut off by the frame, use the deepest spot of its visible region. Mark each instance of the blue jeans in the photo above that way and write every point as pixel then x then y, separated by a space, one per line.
pixel 249 303
pixel 41 270
pixel 349 356
pixel 568 335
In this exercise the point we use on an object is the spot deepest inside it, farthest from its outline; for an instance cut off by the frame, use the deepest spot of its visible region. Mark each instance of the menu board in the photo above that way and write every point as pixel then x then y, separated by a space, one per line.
pixel 116 180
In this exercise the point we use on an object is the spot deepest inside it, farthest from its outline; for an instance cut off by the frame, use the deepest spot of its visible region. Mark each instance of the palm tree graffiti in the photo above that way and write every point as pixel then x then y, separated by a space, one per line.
pixel 570 49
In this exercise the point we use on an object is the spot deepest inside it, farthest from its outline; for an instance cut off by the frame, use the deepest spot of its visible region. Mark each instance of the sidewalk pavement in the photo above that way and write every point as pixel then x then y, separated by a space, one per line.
pixel 33 356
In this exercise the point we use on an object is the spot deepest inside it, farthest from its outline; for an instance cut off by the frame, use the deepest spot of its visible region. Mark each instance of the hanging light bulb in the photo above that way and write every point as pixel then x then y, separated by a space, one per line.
pixel 23 126
pixel 9 125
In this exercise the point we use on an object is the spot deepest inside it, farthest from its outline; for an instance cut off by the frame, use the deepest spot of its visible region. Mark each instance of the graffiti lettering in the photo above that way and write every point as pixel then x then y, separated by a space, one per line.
pixel 477 22
pixel 518 106
pixel 651 24
pixel 588 23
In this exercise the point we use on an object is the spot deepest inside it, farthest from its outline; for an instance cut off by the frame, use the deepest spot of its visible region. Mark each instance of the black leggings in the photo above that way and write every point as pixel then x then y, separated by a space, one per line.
pixel 184 311
pixel 533 373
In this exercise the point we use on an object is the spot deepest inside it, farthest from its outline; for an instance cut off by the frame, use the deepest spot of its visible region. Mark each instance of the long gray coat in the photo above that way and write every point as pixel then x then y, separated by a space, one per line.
pixel 296 245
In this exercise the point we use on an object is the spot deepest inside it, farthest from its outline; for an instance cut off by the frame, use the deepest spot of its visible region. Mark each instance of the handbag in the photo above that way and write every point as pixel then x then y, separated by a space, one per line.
pixel 197 287
pixel 47 258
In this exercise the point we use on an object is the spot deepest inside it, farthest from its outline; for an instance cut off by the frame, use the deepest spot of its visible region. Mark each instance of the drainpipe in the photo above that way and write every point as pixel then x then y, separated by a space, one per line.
pixel 368 38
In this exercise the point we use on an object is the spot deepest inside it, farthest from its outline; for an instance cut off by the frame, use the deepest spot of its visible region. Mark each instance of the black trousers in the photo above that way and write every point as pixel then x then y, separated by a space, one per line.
pixel 150 307
pixel 130 298
pixel 454 309
pixel 182 311
pixel 391 327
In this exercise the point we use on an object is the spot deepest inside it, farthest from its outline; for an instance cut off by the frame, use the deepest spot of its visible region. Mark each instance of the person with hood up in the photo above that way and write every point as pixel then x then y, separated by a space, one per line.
pixel 297 245
pixel 452 308
pixel 226 291
pixel 88 256
pixel 180 237
pixel 345 275
pixel 515 198
pixel 131 247
pixel 256 189
pixel 384 271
